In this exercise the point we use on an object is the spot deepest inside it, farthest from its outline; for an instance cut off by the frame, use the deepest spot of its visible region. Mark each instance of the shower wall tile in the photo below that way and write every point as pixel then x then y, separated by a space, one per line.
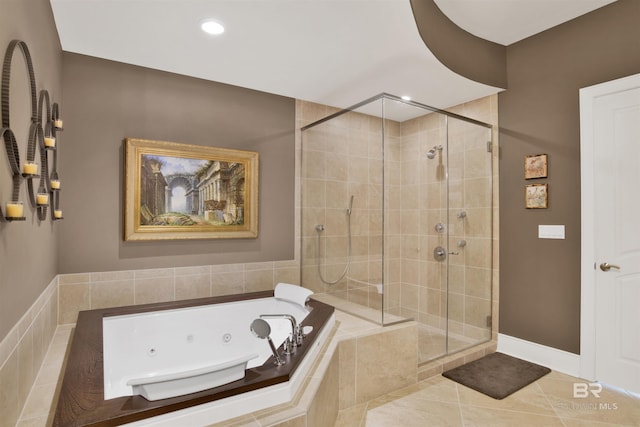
pixel 410 271
pixel 476 311
pixel 478 252
pixel 477 193
pixel 309 112
pixel 314 164
pixel 476 280
pixel 457 167
pixel 410 221
pixel 337 166
pixel 359 170
pixel 410 296
pixel 359 296
pixel 412 251
pixel 478 222
pixel 475 163
pixel 314 195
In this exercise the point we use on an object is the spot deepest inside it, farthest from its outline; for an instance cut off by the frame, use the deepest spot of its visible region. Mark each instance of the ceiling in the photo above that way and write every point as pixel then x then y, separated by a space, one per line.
pixel 334 52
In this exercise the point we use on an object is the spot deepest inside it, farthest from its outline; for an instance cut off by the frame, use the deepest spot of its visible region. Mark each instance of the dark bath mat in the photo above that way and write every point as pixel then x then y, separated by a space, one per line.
pixel 497 375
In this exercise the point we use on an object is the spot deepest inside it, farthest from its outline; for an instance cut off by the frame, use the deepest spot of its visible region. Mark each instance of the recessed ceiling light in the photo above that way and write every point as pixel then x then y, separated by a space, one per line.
pixel 212 27
pixel 406 97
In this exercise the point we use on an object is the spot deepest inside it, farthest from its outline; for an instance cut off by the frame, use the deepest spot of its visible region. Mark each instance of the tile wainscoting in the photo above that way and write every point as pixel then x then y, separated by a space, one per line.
pixel 22 353
pixel 352 370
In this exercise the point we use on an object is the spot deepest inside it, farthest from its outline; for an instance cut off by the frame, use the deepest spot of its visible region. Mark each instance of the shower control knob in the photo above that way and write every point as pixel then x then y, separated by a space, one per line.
pixel 439 253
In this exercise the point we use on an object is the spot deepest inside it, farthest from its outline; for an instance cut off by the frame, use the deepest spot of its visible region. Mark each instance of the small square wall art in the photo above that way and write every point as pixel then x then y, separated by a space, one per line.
pixel 535 166
pixel 536 196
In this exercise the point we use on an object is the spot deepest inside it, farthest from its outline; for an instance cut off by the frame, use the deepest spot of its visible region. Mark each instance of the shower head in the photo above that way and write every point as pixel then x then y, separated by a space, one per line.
pixel 431 154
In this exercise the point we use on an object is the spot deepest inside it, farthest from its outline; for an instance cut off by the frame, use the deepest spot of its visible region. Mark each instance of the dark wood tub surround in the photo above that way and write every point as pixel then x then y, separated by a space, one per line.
pixel 81 399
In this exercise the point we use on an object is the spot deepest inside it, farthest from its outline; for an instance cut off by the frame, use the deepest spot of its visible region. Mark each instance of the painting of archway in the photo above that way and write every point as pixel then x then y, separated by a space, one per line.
pixel 181 191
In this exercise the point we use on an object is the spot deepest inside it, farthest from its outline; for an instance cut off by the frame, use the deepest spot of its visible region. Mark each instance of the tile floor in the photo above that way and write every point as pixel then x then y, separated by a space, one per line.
pixel 549 401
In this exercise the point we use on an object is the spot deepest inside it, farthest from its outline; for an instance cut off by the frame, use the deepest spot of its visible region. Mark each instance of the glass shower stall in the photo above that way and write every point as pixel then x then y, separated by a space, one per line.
pixel 396 219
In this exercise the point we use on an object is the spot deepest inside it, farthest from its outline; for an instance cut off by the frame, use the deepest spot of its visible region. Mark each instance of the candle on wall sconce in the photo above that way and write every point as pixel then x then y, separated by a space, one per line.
pixel 57 123
pixel 49 141
pixel 55 184
pixel 57 214
pixel 30 168
pixel 42 199
pixel 15 209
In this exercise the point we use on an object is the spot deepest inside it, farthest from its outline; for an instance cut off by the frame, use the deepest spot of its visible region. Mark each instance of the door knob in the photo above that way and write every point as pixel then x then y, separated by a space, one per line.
pixel 605 266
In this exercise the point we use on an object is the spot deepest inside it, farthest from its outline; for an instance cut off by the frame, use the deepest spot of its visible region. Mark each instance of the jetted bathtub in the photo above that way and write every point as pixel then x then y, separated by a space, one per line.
pixel 187 362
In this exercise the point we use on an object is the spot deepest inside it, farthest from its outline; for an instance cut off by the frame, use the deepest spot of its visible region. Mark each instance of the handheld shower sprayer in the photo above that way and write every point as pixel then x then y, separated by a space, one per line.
pixel 320 229
pixel 350 208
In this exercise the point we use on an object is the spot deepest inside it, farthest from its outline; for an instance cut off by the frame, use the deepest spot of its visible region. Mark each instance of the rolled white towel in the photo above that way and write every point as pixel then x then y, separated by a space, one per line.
pixel 292 293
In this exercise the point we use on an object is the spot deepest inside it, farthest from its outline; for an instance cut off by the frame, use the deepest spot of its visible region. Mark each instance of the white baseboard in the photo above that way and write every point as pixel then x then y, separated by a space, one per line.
pixel 558 360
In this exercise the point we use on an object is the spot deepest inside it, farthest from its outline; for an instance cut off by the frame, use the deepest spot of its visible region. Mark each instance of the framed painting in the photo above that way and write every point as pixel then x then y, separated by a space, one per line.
pixel 535 166
pixel 536 196
pixel 179 191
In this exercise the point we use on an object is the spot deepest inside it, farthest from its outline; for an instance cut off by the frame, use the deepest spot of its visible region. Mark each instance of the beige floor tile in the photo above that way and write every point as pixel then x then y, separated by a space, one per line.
pixel 438 389
pixel 427 414
pixel 491 417
pixel 529 399
pixel 549 401
pixel 610 406
pixel 572 422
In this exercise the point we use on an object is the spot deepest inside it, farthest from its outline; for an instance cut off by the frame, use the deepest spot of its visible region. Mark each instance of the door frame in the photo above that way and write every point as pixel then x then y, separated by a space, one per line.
pixel 588 270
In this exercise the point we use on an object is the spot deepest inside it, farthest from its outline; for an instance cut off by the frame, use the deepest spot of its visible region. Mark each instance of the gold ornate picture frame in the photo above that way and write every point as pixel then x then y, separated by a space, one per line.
pixel 536 196
pixel 535 166
pixel 180 191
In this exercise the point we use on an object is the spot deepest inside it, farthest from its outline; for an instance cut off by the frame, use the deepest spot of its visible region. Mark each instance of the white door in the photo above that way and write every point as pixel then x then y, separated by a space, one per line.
pixel 616 173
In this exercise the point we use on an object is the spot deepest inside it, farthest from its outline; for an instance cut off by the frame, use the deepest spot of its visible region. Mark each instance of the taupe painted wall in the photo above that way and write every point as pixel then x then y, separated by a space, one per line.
pixel 106 102
pixel 28 260
pixel 539 113
pixel 462 52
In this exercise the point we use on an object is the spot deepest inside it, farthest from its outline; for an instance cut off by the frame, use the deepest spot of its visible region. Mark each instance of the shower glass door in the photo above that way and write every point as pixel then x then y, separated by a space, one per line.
pixel 470 235
pixel 396 219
